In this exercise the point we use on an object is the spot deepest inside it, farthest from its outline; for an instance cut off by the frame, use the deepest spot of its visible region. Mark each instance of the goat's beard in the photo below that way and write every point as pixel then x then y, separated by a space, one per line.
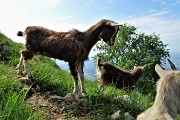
pixel 109 36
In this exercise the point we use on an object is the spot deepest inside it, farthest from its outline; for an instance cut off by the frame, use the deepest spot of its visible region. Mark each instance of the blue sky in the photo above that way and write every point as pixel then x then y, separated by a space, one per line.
pixel 149 16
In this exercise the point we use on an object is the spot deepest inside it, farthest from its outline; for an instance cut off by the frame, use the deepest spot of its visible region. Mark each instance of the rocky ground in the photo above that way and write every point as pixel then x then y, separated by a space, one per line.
pixel 54 107
pixel 51 106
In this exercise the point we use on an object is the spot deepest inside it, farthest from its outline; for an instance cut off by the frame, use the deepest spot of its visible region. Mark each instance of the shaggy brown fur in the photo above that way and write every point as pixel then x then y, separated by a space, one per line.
pixel 167 101
pixel 110 74
pixel 73 46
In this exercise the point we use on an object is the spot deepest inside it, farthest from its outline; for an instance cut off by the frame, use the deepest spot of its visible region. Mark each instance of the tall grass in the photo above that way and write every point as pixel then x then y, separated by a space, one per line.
pixel 51 78
pixel 12 105
pixel 14 108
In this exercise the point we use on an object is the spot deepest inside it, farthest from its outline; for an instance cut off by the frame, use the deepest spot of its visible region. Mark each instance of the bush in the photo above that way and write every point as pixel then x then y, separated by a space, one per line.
pixel 9 50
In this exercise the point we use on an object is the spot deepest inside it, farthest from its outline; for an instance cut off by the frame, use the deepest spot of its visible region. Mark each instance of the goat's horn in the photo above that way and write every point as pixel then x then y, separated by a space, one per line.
pixel 144 66
pixel 115 24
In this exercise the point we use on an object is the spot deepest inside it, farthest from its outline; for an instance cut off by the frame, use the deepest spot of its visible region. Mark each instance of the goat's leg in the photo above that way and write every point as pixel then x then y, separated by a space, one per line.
pixel 81 75
pixel 20 65
pixel 73 69
pixel 27 69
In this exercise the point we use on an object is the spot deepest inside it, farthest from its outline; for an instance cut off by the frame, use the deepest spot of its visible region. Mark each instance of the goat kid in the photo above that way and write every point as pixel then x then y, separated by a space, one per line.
pixel 167 101
pixel 72 46
pixel 110 74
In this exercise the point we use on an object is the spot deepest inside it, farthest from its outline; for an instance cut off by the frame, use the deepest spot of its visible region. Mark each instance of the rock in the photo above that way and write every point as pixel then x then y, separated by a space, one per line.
pixel 115 115
pixel 130 100
pixel 128 116
pixel 59 118
pixel 44 103
pixel 126 98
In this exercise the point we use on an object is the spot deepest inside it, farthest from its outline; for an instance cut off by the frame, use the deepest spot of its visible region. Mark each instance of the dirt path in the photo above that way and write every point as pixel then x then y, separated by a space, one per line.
pixel 53 106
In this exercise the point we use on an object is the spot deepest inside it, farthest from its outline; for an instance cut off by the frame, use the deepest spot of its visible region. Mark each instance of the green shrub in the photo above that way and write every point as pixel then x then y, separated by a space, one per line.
pixel 9 50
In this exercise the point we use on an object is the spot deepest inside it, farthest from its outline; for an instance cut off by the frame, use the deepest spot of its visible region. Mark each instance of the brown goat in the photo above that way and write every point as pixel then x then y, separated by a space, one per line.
pixel 73 46
pixel 167 101
pixel 110 74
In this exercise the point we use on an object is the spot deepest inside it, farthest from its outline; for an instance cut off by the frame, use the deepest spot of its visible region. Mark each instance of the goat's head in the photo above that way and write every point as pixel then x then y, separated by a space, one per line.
pixel 140 67
pixel 109 31
pixel 99 67
pixel 138 70
pixel 101 71
pixel 104 67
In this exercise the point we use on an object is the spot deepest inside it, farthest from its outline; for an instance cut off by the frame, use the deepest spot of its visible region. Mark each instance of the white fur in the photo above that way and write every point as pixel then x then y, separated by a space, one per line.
pixel 167 102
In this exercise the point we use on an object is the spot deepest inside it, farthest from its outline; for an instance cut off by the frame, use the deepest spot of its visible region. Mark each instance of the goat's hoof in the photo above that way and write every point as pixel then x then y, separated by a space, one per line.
pixel 19 72
pixel 72 97
pixel 24 73
pixel 77 95
pixel 22 79
pixel 25 80
pixel 17 67
pixel 30 77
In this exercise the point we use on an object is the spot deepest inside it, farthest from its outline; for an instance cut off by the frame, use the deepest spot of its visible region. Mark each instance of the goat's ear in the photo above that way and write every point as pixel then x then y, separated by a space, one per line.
pixel 159 70
pixel 98 60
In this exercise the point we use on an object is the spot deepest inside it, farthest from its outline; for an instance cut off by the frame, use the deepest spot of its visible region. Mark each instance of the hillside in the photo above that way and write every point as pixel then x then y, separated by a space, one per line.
pixel 46 96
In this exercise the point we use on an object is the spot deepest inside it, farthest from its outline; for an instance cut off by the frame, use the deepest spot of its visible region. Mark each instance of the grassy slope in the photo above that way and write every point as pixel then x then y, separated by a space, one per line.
pixel 53 80
pixel 12 106
pixel 12 97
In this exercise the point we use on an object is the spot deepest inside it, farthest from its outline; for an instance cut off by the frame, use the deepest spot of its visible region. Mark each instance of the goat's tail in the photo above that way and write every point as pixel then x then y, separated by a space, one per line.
pixel 20 33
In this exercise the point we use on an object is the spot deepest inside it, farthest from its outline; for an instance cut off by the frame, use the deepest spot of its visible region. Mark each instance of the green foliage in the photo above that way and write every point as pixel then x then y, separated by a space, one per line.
pixel 178 117
pixel 12 105
pixel 9 50
pixel 132 49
